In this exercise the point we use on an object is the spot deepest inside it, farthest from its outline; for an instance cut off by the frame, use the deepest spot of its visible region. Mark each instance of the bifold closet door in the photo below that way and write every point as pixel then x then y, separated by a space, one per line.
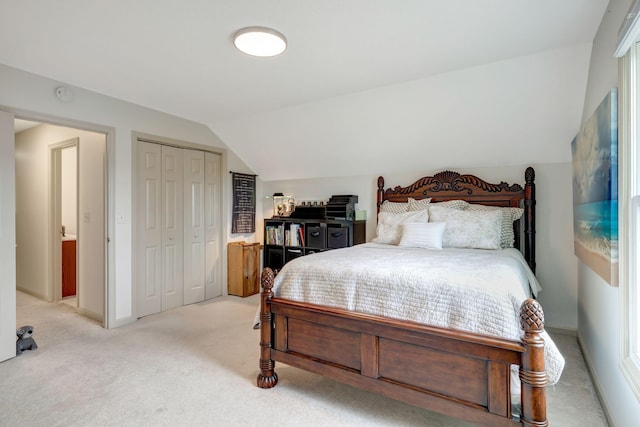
pixel 173 227
pixel 194 226
pixel 159 228
pixel 202 273
pixel 148 229
pixel 213 224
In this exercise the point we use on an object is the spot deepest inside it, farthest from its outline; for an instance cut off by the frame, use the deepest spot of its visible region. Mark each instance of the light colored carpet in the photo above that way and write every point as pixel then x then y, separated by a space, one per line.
pixel 197 366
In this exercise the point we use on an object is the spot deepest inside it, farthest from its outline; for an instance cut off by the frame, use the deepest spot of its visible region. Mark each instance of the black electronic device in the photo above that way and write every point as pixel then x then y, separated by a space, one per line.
pixel 302 211
pixel 342 206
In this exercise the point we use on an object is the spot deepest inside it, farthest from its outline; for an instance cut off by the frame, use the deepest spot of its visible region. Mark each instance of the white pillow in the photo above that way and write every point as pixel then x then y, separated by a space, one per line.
pixel 389 231
pixel 418 205
pixel 468 229
pixel 393 207
pixel 422 235
pixel 509 216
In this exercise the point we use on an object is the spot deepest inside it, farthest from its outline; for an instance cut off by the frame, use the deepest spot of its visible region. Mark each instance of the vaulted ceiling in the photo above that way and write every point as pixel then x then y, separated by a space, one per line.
pixel 365 86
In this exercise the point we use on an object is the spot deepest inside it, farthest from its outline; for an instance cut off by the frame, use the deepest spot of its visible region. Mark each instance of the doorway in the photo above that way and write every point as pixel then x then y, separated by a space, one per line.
pixel 178 226
pixel 72 186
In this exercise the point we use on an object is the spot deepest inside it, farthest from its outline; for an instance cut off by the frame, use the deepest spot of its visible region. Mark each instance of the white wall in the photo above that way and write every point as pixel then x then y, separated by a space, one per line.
pixel 599 305
pixel 69 190
pixel 509 112
pixel 31 96
pixel 554 238
pixel 32 238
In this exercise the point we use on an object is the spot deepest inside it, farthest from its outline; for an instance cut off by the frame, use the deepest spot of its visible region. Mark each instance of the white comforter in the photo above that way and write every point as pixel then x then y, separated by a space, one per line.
pixel 473 290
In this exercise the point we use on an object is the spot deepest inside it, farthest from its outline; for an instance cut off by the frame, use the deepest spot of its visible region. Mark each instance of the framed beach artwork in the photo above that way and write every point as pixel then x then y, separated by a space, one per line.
pixel 595 190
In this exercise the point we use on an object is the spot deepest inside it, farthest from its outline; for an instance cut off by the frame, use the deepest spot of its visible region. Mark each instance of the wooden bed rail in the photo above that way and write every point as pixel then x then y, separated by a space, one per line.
pixel 496 353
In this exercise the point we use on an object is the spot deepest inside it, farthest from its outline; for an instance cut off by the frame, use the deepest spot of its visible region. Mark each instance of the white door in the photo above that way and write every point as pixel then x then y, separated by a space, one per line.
pixel 7 238
pixel 172 228
pixel 91 163
pixel 178 227
pixel 194 230
pixel 148 229
pixel 213 228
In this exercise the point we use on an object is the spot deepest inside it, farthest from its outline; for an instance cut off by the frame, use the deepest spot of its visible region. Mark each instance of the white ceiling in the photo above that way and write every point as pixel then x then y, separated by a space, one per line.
pixel 178 57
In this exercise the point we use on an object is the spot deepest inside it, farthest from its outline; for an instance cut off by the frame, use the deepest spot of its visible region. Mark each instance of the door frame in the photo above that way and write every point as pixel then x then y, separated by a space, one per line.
pixel 7 238
pixel 109 320
pixel 55 216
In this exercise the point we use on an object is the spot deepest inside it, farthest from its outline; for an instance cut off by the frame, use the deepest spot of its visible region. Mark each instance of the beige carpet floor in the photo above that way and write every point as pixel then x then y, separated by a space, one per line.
pixel 196 366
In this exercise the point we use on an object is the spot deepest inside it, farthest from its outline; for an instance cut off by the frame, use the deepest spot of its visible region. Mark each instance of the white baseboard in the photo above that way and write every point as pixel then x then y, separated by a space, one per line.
pixel 91 315
pixel 33 294
pixel 561 331
pixel 596 383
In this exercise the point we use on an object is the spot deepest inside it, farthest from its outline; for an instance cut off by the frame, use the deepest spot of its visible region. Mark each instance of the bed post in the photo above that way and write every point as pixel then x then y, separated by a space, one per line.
pixel 530 218
pixel 380 193
pixel 533 378
pixel 267 378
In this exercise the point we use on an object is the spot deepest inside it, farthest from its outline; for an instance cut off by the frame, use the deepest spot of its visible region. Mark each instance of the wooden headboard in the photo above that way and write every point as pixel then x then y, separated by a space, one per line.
pixel 450 185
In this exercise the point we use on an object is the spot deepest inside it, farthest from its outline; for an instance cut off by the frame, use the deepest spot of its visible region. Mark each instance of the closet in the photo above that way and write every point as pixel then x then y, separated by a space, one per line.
pixel 177 227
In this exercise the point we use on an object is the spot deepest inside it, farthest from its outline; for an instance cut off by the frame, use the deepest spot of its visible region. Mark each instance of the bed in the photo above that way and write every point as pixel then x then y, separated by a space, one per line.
pixel 458 370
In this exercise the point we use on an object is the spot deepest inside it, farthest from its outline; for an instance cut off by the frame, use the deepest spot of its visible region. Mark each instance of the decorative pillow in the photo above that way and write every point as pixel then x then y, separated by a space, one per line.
pixel 468 229
pixel 389 231
pixel 419 205
pixel 393 207
pixel 451 204
pixel 509 216
pixel 422 235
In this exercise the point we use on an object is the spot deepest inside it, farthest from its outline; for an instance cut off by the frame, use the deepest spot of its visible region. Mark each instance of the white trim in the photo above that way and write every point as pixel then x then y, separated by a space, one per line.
pixel 628 242
pixel 561 331
pixel 55 238
pixel 7 238
pixel 630 30
pixel 109 320
pixel 630 364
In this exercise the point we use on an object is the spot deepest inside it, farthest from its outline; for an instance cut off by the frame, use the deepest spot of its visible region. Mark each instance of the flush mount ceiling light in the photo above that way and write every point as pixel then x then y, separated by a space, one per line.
pixel 260 41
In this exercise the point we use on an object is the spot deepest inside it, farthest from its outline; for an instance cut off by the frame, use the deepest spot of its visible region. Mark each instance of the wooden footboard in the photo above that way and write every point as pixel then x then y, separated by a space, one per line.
pixel 443 370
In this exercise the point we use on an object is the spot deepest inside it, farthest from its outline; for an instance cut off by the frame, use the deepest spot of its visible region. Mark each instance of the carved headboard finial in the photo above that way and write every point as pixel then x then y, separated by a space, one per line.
pixel 529 175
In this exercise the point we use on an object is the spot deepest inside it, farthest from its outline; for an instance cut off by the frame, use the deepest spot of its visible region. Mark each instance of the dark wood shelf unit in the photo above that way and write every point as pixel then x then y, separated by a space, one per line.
pixel 311 235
